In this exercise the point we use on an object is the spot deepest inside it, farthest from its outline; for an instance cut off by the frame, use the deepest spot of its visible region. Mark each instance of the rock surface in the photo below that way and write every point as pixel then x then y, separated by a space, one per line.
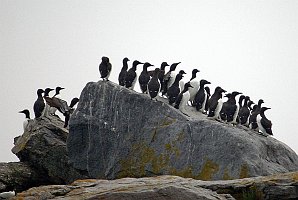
pixel 17 177
pixel 116 132
pixel 43 147
pixel 277 187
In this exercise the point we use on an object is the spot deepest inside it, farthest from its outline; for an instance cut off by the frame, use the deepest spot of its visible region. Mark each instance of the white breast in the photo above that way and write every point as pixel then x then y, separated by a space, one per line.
pixel 235 115
pixel 184 100
pixel 172 79
pixel 134 83
pixel 193 91
pixel 218 108
pixel 204 103
pixel 261 128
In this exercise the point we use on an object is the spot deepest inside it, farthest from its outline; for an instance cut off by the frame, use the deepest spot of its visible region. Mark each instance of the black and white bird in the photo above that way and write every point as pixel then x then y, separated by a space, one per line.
pixel 244 112
pixel 73 102
pixel 174 90
pixel 207 89
pixel 27 119
pixel 131 75
pixel 230 109
pixel 215 103
pixel 105 68
pixel 39 104
pixel 264 124
pixel 123 72
pixel 45 96
pixel 144 77
pixel 162 73
pixel 169 78
pixel 154 85
pixel 195 85
pixel 52 110
pixel 254 113
pixel 183 98
pixel 201 96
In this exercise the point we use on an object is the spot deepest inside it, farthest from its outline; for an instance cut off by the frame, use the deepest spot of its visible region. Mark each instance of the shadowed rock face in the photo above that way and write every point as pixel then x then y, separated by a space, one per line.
pixel 116 132
pixel 43 148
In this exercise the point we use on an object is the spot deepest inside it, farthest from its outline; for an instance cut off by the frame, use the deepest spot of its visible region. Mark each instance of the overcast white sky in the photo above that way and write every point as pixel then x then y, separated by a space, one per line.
pixel 250 46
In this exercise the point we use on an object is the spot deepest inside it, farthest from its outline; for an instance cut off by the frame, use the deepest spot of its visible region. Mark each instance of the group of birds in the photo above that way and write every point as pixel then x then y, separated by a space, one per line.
pixel 194 93
pixel 46 106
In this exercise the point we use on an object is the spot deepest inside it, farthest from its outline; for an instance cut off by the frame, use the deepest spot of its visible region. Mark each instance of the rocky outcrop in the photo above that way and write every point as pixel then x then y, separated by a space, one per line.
pixel 278 187
pixel 43 148
pixel 116 132
pixel 16 176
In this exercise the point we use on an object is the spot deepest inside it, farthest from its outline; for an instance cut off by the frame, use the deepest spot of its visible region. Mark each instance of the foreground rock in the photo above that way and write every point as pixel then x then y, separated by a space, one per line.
pixel 17 177
pixel 43 148
pixel 116 132
pixel 278 187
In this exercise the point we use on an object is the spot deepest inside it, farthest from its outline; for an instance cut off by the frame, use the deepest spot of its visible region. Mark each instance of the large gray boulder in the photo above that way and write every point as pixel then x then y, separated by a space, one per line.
pixel 116 132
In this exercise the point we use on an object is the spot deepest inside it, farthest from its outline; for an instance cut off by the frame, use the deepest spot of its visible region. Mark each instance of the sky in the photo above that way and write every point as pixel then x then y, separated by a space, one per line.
pixel 250 46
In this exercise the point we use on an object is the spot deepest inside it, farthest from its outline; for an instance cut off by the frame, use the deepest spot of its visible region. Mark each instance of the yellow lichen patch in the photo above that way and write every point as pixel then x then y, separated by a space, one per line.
pixel 244 171
pixel 226 175
pixel 186 173
pixel 167 122
pixel 295 176
pixel 209 169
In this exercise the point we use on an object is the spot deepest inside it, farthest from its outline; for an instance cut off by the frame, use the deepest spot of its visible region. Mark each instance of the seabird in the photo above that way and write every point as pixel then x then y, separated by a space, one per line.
pixel 154 85
pixel 244 112
pixel 254 113
pixel 174 90
pixel 105 68
pixel 183 98
pixel 39 104
pixel 27 120
pixel 264 124
pixel 162 73
pixel 230 108
pixel 215 103
pixel 169 78
pixel 53 110
pixel 131 76
pixel 201 96
pixel 207 89
pixel 195 86
pixel 122 75
pixel 144 77
pixel 45 96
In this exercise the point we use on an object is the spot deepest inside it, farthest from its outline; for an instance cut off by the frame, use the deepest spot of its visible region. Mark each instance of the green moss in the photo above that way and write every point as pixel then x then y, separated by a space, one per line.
pixel 252 193
pixel 209 169
pixel 167 122
pixel 244 171
pixel 226 175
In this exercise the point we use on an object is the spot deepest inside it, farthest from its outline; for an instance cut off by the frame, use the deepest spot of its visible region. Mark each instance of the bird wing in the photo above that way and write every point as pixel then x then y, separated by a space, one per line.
pixel 178 100
pixel 38 108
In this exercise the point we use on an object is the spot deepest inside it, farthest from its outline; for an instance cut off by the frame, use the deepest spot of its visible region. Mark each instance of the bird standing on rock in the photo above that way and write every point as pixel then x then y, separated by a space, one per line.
pixel 105 68
pixel 254 113
pixel 201 96
pixel 144 77
pixel 131 75
pixel 195 85
pixel 39 104
pixel 183 98
pixel 123 72
pixel 215 103
pixel 264 124
pixel 27 120
pixel 169 78
pixel 230 108
pixel 174 90
pixel 154 85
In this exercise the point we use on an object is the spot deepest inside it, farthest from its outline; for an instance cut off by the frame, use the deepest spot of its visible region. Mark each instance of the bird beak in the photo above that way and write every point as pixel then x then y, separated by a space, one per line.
pixel 208 82
pixel 20 111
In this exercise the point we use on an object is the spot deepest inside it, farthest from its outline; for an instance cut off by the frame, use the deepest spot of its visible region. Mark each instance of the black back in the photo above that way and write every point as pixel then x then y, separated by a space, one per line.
pixel 207 89
pixel 254 114
pixel 153 85
pixel 144 77
pixel 131 74
pixel 174 90
pixel 229 108
pixel 179 97
pixel 105 67
pixel 73 102
pixel 244 111
pixel 200 96
pixel 266 123
pixel 122 75
pixel 167 77
pixel 213 101
pixel 39 104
